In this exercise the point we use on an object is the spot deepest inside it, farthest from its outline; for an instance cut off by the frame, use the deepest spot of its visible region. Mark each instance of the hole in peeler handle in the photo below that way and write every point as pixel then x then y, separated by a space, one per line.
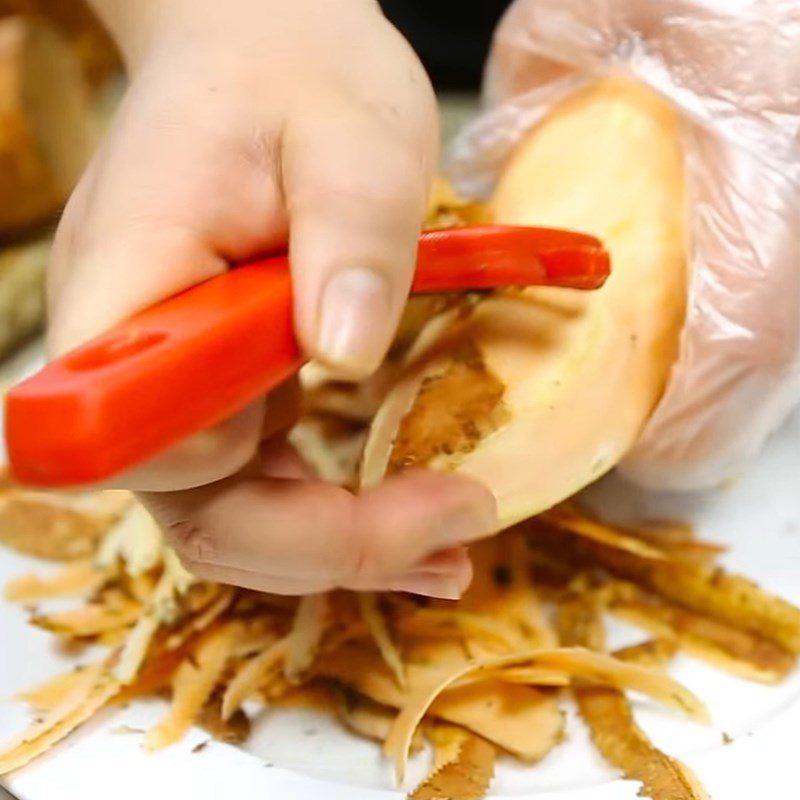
pixel 113 349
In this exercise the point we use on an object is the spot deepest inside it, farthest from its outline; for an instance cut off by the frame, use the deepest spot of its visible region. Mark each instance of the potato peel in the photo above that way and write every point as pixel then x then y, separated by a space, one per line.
pixel 154 675
pixel 207 616
pixel 47 695
pixel 80 701
pixel 367 718
pixel 250 676
pixel 656 653
pixel 519 719
pixel 622 743
pixel 502 593
pixel 192 686
pixel 91 619
pixel 56 527
pixel 434 622
pixel 136 540
pixel 731 598
pixel 535 676
pixel 576 662
pixel 737 651
pixel 608 715
pixel 363 716
pixel 375 620
pixel 585 527
pixel 79 578
pixel 310 623
pixel 465 775
pixel 508 703
pixel 136 645
pixel 235 730
pixel 705 588
pixel 446 740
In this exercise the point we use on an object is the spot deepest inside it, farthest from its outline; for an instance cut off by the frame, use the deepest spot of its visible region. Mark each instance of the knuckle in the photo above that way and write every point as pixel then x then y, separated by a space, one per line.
pixel 192 543
pixel 388 193
pixel 356 563
pixel 195 568
pixel 387 175
pixel 368 558
pixel 353 558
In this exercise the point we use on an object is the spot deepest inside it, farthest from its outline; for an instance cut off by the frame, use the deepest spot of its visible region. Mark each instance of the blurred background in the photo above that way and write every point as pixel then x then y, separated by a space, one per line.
pixel 58 70
pixel 60 80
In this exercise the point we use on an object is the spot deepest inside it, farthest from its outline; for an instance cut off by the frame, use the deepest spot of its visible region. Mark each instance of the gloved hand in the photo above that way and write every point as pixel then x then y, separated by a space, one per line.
pixel 245 123
pixel 732 68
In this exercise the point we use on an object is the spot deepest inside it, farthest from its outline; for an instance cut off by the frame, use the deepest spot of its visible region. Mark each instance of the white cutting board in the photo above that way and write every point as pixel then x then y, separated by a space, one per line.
pixel 302 755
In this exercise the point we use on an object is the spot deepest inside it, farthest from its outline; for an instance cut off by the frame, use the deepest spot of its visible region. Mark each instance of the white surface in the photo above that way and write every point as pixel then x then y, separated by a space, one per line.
pixel 300 755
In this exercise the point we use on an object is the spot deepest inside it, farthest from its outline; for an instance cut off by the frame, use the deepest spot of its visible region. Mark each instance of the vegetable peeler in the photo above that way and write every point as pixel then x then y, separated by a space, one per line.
pixel 197 358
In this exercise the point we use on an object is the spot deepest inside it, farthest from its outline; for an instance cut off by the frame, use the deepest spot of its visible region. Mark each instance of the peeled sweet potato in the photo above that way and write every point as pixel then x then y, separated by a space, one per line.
pixel 537 393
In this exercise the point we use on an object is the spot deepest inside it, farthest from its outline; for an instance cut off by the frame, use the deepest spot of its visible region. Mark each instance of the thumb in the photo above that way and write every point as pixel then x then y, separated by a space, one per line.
pixel 356 192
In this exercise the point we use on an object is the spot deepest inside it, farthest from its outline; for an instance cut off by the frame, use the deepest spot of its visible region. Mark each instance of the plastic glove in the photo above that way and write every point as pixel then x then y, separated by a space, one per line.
pixel 732 67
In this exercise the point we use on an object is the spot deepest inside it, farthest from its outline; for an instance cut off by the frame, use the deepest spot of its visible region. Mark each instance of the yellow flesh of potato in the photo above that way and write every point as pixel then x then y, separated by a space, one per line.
pixel 581 371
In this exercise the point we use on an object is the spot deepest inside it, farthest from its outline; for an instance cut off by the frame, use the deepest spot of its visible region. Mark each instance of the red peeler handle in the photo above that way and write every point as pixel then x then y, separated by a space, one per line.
pixel 202 355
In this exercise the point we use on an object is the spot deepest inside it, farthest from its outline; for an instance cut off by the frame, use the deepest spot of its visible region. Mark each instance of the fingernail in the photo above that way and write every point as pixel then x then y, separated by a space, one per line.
pixel 435 583
pixel 452 561
pixel 354 321
pixel 445 588
pixel 467 524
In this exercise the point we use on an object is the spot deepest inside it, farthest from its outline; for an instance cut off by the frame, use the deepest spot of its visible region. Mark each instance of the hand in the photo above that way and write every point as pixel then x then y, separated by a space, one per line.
pixel 733 70
pixel 246 123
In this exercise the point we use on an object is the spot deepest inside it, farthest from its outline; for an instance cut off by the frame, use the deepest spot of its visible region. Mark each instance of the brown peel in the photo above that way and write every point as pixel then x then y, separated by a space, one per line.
pixel 454 410
pixel 608 715
pixel 573 661
pixel 92 619
pixel 372 615
pixel 517 718
pixel 310 623
pixel 704 588
pixel 656 653
pixel 57 526
pixel 726 646
pixel 366 718
pixel 193 685
pixel 247 680
pixel 466 774
pixel 235 730
pixel 79 578
pixel 623 744
pixel 81 699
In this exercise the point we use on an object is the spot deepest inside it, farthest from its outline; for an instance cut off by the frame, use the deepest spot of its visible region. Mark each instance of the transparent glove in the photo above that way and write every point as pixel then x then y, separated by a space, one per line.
pixel 732 68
